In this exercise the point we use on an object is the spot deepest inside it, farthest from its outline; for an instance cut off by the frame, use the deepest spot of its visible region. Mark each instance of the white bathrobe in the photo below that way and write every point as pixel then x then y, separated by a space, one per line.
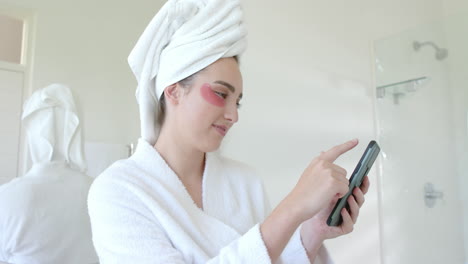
pixel 43 217
pixel 43 214
pixel 141 213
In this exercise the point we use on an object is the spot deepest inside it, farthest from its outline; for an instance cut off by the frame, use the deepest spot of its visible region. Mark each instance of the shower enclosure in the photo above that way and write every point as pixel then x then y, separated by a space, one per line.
pixel 421 79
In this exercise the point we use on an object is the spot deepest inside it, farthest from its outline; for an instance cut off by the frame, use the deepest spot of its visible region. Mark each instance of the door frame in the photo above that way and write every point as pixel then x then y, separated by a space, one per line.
pixel 28 16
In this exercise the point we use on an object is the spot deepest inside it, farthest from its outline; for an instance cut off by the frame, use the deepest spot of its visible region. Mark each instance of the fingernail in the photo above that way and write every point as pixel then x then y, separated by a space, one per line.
pixel 354 140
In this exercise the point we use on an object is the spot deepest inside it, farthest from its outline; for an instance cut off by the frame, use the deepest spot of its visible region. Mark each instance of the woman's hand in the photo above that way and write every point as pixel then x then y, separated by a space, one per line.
pixel 315 230
pixel 321 183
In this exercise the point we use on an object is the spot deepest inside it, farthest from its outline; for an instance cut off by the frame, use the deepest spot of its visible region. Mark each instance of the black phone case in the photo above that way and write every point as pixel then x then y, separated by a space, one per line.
pixel 361 170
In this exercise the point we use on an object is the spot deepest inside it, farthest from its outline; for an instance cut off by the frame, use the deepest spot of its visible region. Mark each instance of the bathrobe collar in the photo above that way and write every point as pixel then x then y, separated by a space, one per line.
pixel 213 215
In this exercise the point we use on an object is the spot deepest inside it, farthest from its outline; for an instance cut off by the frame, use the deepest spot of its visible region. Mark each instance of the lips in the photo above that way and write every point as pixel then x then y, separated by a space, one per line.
pixel 221 129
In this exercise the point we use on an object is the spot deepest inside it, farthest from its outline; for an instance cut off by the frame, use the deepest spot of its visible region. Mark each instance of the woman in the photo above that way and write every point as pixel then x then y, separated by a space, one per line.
pixel 174 200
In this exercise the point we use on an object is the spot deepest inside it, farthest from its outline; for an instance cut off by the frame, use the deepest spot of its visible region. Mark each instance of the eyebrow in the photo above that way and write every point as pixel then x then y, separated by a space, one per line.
pixel 228 85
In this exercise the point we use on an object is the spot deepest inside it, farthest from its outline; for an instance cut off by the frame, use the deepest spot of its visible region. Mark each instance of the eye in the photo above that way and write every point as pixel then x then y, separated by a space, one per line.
pixel 238 105
pixel 220 94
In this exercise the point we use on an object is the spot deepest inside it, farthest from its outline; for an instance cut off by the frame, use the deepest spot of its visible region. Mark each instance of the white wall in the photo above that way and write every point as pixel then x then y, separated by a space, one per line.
pixel 308 82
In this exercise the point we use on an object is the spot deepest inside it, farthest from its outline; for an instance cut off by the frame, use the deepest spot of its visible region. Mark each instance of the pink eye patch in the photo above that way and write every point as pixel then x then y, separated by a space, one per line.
pixel 210 96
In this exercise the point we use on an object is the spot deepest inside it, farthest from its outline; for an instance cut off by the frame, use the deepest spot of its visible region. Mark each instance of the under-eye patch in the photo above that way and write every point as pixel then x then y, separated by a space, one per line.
pixel 211 96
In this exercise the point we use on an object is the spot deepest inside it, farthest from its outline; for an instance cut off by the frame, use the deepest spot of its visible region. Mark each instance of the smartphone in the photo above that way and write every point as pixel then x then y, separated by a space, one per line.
pixel 361 170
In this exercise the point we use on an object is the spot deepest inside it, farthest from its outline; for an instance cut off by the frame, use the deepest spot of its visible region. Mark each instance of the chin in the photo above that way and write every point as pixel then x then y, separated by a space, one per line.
pixel 211 146
pixel 212 149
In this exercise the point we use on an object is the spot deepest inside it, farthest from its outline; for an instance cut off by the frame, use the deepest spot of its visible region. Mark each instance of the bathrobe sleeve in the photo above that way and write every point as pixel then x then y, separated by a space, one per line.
pixel 294 252
pixel 124 232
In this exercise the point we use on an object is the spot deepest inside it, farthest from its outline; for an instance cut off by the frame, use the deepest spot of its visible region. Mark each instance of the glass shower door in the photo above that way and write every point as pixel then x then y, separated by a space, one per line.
pixel 422 112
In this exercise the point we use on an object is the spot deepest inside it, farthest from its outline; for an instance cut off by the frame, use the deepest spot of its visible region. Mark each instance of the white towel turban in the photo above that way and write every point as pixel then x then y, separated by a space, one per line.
pixel 183 38
pixel 53 127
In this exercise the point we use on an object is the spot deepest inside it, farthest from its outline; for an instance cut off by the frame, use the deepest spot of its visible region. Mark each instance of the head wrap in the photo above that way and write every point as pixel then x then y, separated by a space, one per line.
pixel 53 127
pixel 183 38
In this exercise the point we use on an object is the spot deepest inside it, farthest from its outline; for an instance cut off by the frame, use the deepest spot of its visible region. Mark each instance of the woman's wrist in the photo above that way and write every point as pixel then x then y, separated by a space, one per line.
pixel 293 210
pixel 279 227
pixel 312 241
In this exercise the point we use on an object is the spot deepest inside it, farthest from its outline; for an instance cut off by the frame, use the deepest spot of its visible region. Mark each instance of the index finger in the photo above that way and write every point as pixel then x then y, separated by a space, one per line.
pixel 332 154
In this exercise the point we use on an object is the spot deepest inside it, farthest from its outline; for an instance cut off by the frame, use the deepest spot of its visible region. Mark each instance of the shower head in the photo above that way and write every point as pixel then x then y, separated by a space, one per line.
pixel 440 52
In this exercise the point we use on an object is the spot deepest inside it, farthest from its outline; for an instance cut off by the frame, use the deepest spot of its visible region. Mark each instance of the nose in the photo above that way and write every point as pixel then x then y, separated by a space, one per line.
pixel 231 114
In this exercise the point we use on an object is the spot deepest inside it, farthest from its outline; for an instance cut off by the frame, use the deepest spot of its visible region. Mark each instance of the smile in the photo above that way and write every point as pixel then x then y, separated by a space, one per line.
pixel 221 129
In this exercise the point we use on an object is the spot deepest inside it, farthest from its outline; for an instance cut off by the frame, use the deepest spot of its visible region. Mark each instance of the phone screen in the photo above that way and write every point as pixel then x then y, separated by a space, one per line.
pixel 361 170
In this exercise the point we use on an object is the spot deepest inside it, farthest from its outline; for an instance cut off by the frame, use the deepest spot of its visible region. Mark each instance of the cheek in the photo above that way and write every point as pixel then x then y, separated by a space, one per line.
pixel 208 94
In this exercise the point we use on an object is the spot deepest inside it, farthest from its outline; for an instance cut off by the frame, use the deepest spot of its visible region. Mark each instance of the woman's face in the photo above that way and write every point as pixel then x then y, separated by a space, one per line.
pixel 210 108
